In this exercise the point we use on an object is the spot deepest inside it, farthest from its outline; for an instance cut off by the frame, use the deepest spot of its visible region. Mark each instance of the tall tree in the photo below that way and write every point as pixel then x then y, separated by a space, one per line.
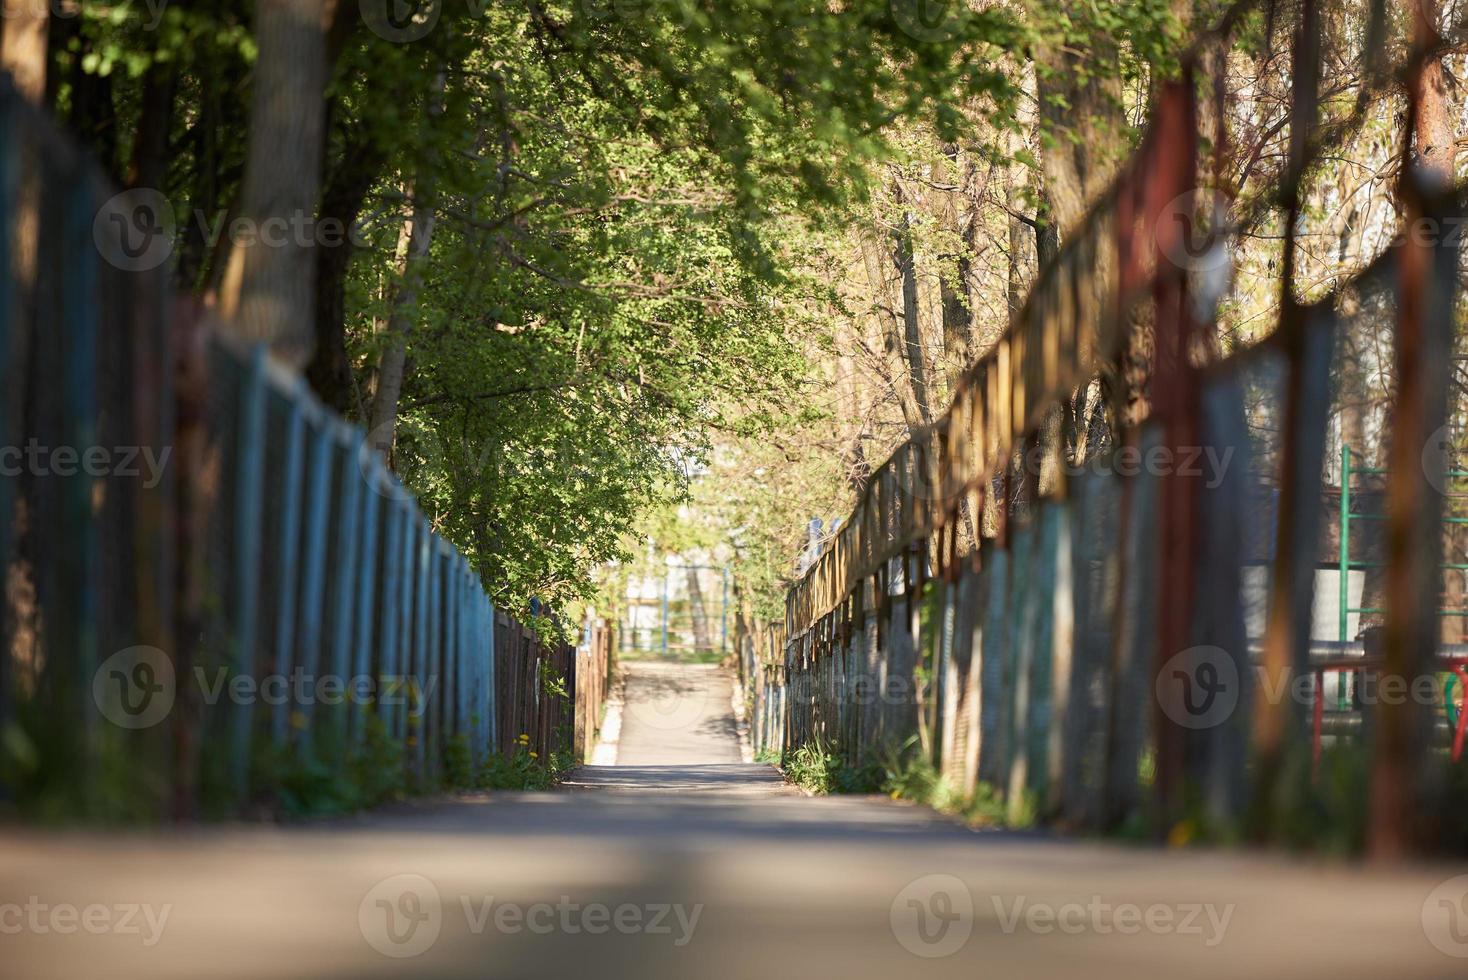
pixel 268 292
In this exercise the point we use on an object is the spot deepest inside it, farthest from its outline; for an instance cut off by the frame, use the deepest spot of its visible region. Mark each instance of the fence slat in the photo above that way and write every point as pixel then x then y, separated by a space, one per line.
pixel 343 574
pixel 498 707
pixel 450 685
pixel 995 643
pixel 1279 723
pixel 417 726
pixel 313 553
pixel 365 641
pixel 404 647
pixel 287 559
pixel 1135 640
pixel 464 657
pixel 9 178
pixel 386 599
pixel 249 486
pixel 1218 751
pixel 1404 802
pixel 75 629
pixel 1060 622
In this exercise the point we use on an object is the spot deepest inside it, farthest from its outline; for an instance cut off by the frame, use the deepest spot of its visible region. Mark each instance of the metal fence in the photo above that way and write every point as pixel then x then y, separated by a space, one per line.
pixel 1090 659
pixel 217 597
pixel 685 615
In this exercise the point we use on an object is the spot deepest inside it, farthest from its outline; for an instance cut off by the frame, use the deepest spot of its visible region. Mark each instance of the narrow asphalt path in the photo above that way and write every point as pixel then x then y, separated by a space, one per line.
pixel 678 735
pixel 682 862
pixel 677 715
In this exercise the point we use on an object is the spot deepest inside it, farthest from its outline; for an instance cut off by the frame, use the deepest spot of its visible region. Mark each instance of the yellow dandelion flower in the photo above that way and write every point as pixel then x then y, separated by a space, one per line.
pixel 1182 834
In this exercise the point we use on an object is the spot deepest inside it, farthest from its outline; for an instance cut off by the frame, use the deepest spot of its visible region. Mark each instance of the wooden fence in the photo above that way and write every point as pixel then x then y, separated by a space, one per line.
pixel 552 693
pixel 1089 658
pixel 595 661
pixel 217 597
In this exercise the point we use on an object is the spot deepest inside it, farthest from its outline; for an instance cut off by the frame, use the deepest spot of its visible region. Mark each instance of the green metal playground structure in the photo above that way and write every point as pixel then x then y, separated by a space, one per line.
pixel 680 618
pixel 1454 659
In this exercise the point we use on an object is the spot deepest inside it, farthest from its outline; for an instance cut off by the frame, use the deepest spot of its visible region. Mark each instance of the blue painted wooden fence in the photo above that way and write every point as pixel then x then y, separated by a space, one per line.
pixel 265 617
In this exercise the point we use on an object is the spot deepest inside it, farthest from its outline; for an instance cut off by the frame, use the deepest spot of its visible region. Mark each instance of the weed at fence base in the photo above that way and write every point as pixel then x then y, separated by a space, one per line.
pixel 902 774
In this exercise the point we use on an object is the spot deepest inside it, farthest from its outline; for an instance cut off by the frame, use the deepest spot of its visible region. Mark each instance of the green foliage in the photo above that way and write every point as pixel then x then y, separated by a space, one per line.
pixel 517 771
pixel 298 784
pixel 910 775
pixel 1454 806
pixel 625 197
pixel 630 202
pixel 1147 767
pixel 522 769
pixel 1325 810
pixel 302 786
pixel 930 628
pixel 552 684
pixel 593 303
pixel 904 773
pixel 37 774
pixel 458 762
pixel 816 770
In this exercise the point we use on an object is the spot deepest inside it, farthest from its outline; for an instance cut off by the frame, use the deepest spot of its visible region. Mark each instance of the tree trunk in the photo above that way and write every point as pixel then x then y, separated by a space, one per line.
pixel 1080 108
pixel 1405 816
pixel 960 215
pixel 1020 274
pixel 885 296
pixel 418 229
pixel 23 53
pixel 1023 235
pixel 1079 95
pixel 955 280
pixel 1365 491
pixel 218 110
pixel 330 371
pixel 1435 145
pixel 417 236
pixel 697 613
pixel 268 289
pixel 1437 153
pixel 1437 149
pixel 89 114
pixel 913 353
pixel 23 47
pixel 850 423
pixel 149 167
